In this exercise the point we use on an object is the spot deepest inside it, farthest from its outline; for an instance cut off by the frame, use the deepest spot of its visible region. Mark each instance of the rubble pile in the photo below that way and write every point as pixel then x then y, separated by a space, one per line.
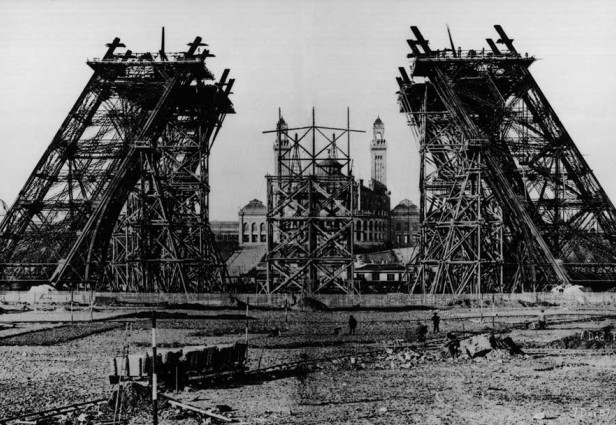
pixel 482 345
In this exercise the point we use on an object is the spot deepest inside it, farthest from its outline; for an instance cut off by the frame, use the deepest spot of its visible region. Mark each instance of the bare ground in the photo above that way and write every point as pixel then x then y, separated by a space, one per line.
pixel 549 385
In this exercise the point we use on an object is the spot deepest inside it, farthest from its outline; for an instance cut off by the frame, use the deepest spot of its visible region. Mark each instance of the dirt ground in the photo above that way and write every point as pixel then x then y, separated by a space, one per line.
pixel 49 362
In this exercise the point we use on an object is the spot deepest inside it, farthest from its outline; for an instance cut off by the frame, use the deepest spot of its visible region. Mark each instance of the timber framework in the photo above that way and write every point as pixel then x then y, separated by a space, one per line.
pixel 120 198
pixel 508 202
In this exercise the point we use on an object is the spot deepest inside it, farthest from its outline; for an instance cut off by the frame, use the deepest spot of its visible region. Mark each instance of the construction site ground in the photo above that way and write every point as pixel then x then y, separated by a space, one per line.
pixel 49 361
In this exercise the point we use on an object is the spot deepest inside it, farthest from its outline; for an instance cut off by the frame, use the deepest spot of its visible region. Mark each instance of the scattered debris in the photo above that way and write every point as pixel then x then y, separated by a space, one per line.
pixel 588 339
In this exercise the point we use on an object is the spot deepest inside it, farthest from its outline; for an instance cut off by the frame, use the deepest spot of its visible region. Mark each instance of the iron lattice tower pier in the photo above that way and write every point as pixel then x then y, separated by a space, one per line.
pixel 310 202
pixel 119 200
pixel 508 203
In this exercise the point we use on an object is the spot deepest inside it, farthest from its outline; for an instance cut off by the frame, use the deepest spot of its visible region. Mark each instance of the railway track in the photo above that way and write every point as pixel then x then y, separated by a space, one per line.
pixel 34 417
pixel 278 371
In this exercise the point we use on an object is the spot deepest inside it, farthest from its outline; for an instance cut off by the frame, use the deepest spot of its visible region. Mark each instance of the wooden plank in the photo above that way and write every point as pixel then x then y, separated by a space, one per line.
pixel 199 410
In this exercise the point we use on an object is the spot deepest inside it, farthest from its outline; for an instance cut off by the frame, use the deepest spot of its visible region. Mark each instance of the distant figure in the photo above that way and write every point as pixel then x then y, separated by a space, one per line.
pixel 352 325
pixel 436 320
pixel 541 322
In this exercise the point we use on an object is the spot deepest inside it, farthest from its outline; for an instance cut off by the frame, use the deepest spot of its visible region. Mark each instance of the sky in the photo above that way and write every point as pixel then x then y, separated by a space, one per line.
pixel 296 55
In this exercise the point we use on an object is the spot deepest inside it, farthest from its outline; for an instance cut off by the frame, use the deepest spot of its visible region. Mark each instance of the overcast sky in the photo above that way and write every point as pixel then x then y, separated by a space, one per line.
pixel 296 55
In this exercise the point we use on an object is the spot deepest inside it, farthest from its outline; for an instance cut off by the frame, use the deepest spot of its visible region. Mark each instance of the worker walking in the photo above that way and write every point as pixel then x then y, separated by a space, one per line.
pixel 436 320
pixel 352 325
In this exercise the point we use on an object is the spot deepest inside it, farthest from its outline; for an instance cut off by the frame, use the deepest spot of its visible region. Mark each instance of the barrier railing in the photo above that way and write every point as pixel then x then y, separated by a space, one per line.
pixel 282 300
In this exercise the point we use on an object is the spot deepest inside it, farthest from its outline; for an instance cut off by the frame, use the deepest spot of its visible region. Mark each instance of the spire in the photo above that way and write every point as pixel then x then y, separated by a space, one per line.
pixel 378 154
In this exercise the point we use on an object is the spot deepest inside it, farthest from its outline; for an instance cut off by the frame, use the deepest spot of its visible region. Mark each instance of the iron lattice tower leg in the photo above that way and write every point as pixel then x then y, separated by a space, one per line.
pixel 311 207
pixel 119 200
pixel 507 200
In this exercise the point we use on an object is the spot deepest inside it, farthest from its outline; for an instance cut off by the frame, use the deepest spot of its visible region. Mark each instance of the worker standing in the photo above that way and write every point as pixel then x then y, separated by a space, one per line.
pixel 352 325
pixel 542 322
pixel 436 320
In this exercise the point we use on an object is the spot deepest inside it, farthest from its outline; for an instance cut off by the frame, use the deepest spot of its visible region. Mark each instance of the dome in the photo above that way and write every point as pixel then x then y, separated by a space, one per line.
pixel 378 122
pixel 254 207
pixel 405 205
pixel 329 167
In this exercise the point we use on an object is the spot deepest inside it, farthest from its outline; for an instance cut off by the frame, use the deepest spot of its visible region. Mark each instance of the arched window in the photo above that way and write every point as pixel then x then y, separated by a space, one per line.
pixel 262 232
pixel 245 235
pixel 255 237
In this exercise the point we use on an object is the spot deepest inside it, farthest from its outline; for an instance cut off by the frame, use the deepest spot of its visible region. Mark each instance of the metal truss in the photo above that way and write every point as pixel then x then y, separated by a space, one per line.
pixel 311 206
pixel 119 200
pixel 508 203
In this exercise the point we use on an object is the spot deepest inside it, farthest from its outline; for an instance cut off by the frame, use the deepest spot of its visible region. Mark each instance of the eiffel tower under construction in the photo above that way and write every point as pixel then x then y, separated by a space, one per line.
pixel 508 202
pixel 119 200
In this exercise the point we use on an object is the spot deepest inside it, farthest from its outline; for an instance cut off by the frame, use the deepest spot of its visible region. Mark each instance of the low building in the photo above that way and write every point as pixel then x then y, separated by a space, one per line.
pixel 404 224
pixel 380 278
pixel 252 223
pixel 225 230
pixel 372 216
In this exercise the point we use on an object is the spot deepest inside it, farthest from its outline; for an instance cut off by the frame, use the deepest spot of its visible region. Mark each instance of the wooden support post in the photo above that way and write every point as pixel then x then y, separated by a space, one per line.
pixel 154 380
pixel 247 302
pixel 72 290
pixel 91 302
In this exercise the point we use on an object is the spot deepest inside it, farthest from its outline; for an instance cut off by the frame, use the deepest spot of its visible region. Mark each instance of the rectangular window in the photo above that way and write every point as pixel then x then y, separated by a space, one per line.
pixel 375 277
pixel 391 277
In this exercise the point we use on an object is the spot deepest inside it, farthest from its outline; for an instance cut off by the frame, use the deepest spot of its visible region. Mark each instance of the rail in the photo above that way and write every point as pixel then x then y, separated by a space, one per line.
pixel 49 413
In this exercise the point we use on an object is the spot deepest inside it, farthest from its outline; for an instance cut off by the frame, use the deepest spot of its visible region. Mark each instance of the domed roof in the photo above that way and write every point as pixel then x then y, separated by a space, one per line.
pixel 405 205
pixel 254 207
pixel 378 122
pixel 329 167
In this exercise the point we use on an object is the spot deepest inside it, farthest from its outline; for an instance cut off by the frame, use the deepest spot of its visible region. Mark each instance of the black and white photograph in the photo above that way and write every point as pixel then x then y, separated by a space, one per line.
pixel 307 212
